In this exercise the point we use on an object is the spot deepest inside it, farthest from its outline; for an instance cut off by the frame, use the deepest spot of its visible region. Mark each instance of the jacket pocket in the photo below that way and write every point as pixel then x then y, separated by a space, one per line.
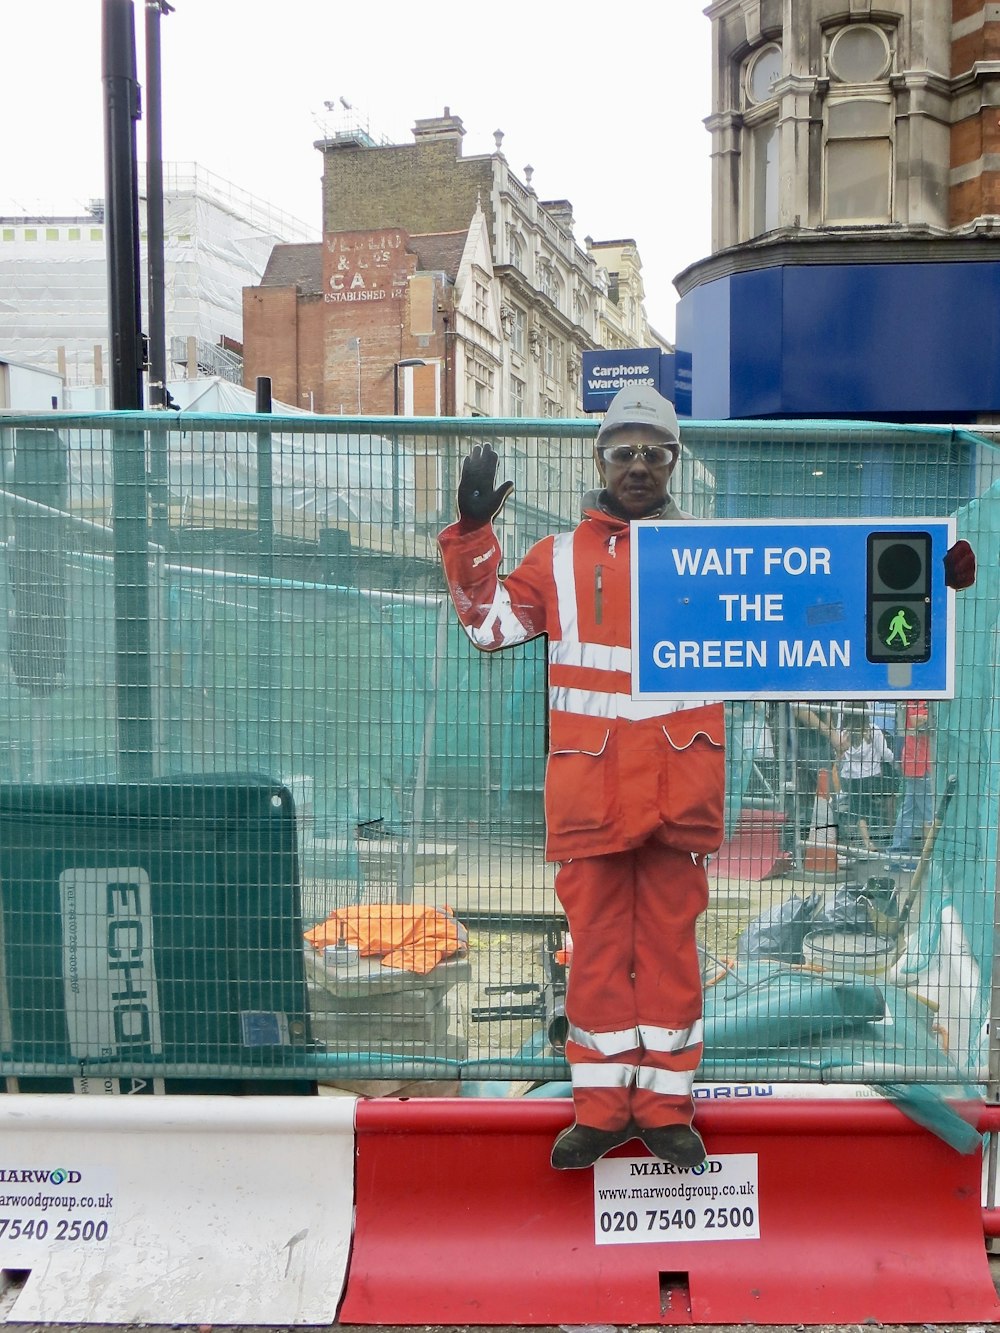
pixel 577 781
pixel 693 779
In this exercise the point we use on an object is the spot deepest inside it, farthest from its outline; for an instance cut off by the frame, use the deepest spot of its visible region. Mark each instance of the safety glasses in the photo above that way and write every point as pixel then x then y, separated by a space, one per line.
pixel 655 455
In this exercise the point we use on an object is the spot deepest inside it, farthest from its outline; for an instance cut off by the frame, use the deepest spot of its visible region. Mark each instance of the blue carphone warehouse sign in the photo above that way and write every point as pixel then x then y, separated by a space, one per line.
pixel 604 373
pixel 803 609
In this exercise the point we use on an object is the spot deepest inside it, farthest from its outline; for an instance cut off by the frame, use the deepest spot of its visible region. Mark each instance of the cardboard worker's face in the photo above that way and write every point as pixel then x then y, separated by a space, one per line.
pixel 635 466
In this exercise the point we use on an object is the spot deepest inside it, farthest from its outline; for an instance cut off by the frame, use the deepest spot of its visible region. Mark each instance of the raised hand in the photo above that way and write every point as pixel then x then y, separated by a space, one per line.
pixel 479 497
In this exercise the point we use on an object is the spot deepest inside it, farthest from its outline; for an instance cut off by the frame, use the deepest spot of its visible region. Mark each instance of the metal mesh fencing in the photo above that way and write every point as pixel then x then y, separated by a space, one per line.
pixel 269 818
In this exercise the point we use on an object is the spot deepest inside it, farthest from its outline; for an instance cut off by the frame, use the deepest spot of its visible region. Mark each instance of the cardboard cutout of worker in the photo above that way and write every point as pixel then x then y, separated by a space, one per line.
pixel 634 790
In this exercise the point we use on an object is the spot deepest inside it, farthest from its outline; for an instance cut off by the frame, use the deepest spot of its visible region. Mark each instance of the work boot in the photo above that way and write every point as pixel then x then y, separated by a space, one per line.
pixel 680 1145
pixel 583 1145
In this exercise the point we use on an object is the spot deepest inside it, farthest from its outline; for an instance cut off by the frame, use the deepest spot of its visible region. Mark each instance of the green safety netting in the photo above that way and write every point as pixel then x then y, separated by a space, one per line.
pixel 317 652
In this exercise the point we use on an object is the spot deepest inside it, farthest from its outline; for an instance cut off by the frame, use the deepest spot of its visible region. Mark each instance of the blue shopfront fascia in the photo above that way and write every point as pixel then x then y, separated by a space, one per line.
pixel 904 341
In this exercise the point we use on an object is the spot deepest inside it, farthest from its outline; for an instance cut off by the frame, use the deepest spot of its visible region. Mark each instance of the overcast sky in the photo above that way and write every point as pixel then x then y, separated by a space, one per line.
pixel 606 103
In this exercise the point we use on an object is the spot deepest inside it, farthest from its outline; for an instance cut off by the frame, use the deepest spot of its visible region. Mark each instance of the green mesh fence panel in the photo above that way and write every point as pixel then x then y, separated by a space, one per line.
pixel 242 731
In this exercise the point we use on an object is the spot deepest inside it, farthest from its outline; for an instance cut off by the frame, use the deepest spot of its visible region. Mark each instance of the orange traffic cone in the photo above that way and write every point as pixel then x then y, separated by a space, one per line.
pixel 819 854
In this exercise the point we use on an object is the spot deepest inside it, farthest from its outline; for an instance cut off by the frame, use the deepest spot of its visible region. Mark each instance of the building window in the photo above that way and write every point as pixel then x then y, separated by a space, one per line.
pixel 549 283
pixel 859 54
pixel 516 251
pixel 544 277
pixel 480 378
pixel 858 161
pixel 30 234
pixel 763 145
pixel 517 325
pixel 480 302
pixel 73 234
pixel 552 361
pixel 517 388
pixel 760 141
pixel 8 234
pixel 96 234
pixel 858 127
pixel 761 72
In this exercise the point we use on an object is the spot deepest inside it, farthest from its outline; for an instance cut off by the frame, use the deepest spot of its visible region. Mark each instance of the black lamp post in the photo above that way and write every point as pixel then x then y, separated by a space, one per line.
pixel 397 367
pixel 130 521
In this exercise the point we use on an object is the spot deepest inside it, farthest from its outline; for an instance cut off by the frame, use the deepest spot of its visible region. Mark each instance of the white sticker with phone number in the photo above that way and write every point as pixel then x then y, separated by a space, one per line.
pixel 43 1206
pixel 639 1200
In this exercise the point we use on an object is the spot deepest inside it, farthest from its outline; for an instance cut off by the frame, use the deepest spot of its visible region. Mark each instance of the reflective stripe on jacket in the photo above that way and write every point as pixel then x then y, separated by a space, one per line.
pixel 620 769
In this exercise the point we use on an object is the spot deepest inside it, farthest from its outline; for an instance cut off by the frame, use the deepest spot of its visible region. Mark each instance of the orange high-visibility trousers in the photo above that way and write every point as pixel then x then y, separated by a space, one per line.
pixel 634 995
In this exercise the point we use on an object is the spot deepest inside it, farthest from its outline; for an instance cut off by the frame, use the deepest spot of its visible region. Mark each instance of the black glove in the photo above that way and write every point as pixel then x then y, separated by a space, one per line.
pixel 960 565
pixel 479 498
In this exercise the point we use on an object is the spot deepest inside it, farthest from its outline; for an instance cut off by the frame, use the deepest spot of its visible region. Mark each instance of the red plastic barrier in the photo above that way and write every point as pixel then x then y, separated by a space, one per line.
pixel 863 1215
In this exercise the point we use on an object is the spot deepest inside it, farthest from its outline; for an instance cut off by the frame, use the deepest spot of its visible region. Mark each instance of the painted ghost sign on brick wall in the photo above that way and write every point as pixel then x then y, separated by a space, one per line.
pixel 362 266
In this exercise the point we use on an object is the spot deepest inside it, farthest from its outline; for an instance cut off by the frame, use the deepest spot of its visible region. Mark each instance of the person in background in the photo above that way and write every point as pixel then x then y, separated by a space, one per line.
pixel 814 750
pixel 916 802
pixel 863 750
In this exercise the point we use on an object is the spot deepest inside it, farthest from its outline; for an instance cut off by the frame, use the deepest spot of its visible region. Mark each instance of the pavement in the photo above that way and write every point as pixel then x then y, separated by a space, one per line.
pixel 8 1295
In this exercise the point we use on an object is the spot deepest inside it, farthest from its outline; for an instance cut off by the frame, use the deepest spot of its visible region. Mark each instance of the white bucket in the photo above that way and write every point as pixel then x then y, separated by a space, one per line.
pixel 850 953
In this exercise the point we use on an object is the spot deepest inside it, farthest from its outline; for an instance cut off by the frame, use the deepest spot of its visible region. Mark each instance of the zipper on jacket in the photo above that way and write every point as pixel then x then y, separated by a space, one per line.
pixel 598 594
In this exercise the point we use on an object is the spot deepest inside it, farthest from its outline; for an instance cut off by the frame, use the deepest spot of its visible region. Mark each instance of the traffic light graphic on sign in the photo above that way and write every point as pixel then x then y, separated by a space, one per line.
pixel 898 597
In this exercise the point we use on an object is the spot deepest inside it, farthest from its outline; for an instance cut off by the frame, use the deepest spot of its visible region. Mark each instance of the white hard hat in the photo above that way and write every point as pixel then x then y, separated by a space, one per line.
pixel 639 405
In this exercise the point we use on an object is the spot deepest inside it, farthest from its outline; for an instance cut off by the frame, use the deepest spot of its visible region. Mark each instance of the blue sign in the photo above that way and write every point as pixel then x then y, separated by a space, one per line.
pixel 604 373
pixel 802 609
pixel 681 396
pixel 668 376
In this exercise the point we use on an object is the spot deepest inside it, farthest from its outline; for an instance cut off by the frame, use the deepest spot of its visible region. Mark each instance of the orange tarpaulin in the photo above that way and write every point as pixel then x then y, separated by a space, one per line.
pixel 414 939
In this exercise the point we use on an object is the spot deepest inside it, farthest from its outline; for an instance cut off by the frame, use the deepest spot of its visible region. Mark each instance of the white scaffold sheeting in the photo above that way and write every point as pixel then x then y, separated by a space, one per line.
pixel 319 479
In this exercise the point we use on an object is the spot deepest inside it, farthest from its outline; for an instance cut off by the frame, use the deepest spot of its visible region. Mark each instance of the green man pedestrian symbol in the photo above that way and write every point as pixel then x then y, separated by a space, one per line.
pixel 899 628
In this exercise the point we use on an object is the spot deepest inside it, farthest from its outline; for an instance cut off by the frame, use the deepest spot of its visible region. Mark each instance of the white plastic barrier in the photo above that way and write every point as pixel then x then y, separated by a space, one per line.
pixel 166 1210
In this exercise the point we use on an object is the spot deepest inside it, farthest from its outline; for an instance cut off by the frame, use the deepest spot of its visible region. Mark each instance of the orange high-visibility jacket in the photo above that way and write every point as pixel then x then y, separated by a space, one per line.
pixel 620 770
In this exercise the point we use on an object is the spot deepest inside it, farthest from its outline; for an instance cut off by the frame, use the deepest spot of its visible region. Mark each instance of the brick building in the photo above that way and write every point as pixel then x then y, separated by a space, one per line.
pixel 442 286
pixel 856 185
